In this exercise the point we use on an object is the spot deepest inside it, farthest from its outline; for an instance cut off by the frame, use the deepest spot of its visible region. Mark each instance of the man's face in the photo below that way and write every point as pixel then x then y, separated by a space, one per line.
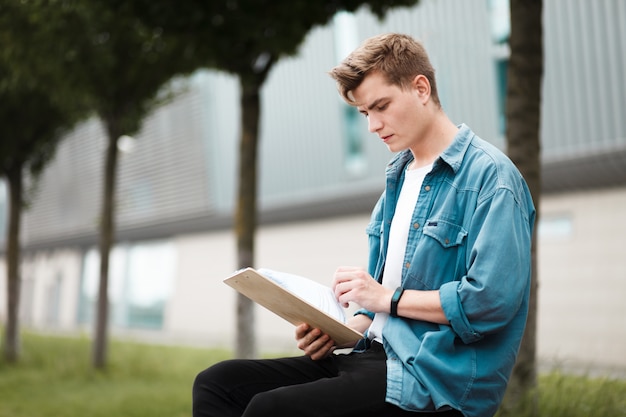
pixel 396 115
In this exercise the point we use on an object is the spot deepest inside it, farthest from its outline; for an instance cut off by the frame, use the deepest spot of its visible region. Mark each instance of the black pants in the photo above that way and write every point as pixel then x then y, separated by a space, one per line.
pixel 341 385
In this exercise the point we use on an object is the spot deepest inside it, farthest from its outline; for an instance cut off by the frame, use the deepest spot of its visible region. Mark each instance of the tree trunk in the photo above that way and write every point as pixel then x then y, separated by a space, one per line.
pixel 523 113
pixel 246 213
pixel 12 335
pixel 107 237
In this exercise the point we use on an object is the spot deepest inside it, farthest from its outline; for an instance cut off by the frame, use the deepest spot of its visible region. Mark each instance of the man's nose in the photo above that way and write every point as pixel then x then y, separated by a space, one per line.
pixel 373 124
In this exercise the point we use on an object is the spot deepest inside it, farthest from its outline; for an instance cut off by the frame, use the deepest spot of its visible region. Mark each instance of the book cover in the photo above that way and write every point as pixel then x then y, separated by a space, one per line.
pixel 297 300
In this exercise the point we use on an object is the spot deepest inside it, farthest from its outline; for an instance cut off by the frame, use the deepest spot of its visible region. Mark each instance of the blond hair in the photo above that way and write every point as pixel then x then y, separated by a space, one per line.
pixel 399 58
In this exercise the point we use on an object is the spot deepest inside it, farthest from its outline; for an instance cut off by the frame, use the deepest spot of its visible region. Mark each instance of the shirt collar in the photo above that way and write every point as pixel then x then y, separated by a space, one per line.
pixel 452 156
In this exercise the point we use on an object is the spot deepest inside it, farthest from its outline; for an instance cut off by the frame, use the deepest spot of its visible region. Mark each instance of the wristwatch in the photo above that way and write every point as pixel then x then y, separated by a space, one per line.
pixel 393 311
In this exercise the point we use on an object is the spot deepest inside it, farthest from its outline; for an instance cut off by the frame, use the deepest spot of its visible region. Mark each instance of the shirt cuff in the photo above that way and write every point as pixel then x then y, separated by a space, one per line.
pixel 453 309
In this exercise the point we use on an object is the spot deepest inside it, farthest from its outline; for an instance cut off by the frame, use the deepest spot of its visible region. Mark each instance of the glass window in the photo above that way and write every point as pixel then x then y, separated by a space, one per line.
pixel 500 32
pixel 151 270
pixel 500 20
pixel 53 299
pixel 91 283
pixel 555 227
pixel 355 160
pixel 141 278
pixel 502 66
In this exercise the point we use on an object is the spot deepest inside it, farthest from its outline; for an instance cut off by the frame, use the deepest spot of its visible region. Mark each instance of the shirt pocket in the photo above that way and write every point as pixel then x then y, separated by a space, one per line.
pixel 448 234
pixel 440 255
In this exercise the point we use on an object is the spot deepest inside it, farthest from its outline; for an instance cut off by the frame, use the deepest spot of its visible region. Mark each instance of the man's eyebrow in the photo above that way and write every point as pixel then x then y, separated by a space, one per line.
pixel 375 103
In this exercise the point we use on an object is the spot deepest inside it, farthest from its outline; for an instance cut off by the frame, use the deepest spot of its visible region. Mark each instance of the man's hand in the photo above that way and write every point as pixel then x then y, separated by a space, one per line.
pixel 313 342
pixel 354 284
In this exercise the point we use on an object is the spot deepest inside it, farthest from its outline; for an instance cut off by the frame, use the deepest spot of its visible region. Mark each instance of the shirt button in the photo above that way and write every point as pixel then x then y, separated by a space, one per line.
pixel 416 225
pixel 427 188
pixel 447 241
pixel 407 265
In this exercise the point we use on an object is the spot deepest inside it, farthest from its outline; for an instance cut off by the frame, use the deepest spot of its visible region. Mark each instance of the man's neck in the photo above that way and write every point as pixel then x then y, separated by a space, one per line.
pixel 438 137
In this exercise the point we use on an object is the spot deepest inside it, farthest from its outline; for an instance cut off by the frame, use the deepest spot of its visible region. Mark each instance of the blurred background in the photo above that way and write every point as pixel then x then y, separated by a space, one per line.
pixel 320 172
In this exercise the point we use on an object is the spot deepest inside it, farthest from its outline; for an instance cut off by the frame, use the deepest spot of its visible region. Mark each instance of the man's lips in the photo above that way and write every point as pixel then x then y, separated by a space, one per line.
pixel 386 138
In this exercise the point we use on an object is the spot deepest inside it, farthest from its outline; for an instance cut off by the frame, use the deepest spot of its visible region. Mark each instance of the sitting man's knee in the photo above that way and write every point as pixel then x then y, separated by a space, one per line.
pixel 217 374
pixel 266 404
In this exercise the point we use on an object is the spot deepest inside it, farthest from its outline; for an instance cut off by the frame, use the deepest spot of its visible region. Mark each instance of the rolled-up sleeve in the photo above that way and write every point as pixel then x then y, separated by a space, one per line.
pixel 489 295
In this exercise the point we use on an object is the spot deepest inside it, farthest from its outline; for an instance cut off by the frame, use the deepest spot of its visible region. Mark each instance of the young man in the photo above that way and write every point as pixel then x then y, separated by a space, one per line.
pixel 445 296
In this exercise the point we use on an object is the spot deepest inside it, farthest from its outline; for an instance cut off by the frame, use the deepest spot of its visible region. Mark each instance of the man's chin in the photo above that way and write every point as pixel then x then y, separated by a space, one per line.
pixel 394 148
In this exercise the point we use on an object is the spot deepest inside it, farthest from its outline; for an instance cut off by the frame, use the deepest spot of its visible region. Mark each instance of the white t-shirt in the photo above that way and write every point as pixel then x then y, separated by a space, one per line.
pixel 398 236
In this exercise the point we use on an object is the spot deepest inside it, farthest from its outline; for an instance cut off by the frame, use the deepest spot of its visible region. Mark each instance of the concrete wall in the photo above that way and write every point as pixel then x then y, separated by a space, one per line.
pixel 582 281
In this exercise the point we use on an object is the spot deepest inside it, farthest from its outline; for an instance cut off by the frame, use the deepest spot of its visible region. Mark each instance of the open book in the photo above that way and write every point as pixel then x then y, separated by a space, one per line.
pixel 297 300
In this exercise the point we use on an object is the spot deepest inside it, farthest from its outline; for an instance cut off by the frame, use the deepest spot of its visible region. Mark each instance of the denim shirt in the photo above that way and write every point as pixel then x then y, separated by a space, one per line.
pixel 469 238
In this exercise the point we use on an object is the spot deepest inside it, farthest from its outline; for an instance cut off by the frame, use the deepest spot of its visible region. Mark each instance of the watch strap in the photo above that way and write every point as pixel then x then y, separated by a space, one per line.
pixel 395 298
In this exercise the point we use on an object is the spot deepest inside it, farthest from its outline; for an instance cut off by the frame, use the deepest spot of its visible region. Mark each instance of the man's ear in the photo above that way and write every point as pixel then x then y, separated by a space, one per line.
pixel 422 87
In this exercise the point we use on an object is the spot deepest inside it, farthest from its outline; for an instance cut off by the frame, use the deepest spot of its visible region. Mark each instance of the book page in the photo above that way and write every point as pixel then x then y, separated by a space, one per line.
pixel 311 291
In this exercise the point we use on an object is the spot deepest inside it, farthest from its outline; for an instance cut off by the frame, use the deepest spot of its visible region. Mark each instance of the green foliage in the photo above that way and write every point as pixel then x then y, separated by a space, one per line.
pixel 121 63
pixel 126 64
pixel 31 124
pixel 37 103
pixel 105 59
pixel 246 37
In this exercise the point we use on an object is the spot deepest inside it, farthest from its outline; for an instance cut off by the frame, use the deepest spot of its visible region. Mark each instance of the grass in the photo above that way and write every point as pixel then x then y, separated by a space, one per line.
pixel 54 378
pixel 582 396
pixel 562 395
